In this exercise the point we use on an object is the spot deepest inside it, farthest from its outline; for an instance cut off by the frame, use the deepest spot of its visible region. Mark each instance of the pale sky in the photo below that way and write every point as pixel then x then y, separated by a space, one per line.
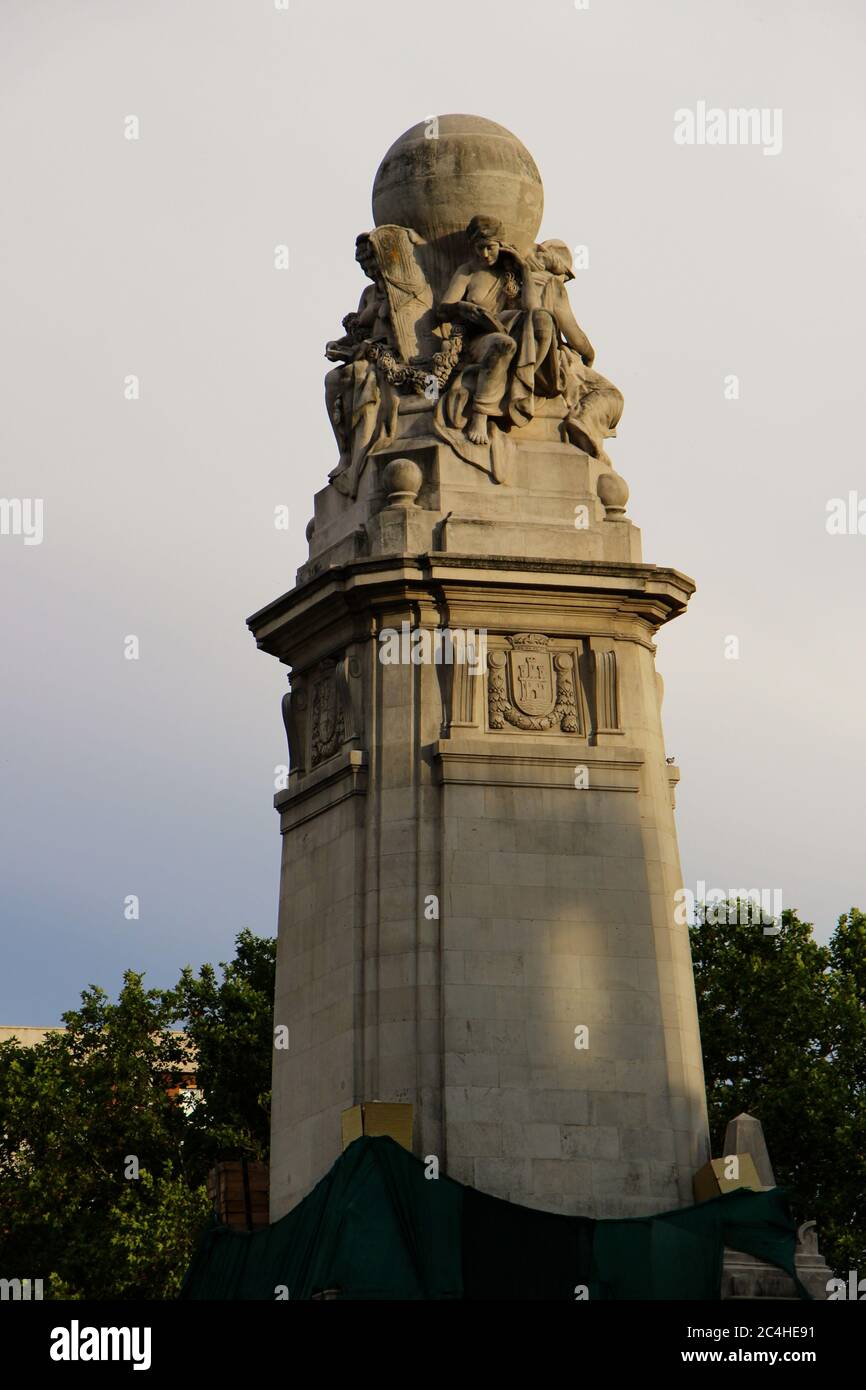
pixel 155 257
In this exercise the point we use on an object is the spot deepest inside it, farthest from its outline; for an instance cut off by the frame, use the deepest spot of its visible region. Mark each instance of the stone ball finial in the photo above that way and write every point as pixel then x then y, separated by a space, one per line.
pixel 402 479
pixel 445 170
pixel 613 492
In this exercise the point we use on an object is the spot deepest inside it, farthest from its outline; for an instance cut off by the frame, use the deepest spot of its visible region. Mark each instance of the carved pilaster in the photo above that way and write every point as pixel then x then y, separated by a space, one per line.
pixel 349 694
pixel 463 679
pixel 600 679
pixel 607 690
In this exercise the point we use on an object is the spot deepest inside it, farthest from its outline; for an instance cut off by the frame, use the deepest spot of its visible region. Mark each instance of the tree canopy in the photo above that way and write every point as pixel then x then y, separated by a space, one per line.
pixel 101 1169
pixel 783 1029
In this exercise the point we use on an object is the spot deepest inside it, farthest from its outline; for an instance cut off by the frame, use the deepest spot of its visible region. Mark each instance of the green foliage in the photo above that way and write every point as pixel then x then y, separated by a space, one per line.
pixel 230 1025
pixel 783 1027
pixel 76 1110
pixel 146 1239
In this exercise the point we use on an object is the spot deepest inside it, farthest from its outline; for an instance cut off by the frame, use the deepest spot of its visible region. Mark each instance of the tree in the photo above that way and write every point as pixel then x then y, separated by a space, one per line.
pixel 94 1194
pixel 783 1028
pixel 230 1026
pixel 101 1169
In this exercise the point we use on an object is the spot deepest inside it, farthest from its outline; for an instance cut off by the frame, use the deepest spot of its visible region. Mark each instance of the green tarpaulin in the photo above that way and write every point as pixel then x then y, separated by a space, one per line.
pixel 377 1228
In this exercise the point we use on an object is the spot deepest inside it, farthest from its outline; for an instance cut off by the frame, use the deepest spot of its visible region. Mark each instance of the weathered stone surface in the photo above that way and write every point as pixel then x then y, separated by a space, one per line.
pixel 554 902
pixel 472 164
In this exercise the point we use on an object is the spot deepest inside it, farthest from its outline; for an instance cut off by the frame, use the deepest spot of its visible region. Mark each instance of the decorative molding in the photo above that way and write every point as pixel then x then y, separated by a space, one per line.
pixel 513 763
pixel 343 777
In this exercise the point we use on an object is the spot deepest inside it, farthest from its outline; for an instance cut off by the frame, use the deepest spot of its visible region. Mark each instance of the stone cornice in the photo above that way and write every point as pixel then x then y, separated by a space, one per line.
pixel 631 599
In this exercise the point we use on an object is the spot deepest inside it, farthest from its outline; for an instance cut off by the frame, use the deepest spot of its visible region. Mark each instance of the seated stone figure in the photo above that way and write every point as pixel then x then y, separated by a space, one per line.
pixel 389 348
pixel 510 343
pixel 594 403
pixel 354 390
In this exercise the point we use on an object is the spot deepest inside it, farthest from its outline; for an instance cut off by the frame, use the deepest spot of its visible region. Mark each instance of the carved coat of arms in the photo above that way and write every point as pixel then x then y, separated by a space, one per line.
pixel 327 721
pixel 531 687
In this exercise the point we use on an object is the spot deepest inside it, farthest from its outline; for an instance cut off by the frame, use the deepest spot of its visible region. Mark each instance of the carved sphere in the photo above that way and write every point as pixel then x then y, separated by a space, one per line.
pixel 402 479
pixel 613 491
pixel 435 185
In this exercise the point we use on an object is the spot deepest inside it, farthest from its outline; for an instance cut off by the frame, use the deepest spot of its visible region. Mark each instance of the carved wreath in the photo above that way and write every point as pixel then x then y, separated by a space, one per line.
pixel 417 375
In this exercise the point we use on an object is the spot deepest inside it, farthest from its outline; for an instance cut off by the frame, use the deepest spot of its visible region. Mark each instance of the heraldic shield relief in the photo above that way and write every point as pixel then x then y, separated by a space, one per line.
pixel 327 724
pixel 531 671
pixel 532 687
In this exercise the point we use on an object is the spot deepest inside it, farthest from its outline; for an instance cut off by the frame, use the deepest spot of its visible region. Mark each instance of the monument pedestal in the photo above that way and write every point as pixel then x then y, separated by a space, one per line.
pixel 480 858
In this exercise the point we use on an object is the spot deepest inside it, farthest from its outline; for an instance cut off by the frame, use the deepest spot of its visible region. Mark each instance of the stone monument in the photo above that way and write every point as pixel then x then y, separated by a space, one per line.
pixel 479 849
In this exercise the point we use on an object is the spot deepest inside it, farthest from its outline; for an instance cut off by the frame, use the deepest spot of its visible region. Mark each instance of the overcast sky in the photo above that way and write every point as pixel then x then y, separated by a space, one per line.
pixel 155 257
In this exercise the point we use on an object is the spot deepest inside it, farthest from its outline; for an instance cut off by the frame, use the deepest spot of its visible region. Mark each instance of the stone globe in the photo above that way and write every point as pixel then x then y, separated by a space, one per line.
pixel 434 178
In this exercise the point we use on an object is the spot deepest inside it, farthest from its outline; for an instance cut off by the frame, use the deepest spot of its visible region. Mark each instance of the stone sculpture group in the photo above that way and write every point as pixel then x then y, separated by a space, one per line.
pixel 500 346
